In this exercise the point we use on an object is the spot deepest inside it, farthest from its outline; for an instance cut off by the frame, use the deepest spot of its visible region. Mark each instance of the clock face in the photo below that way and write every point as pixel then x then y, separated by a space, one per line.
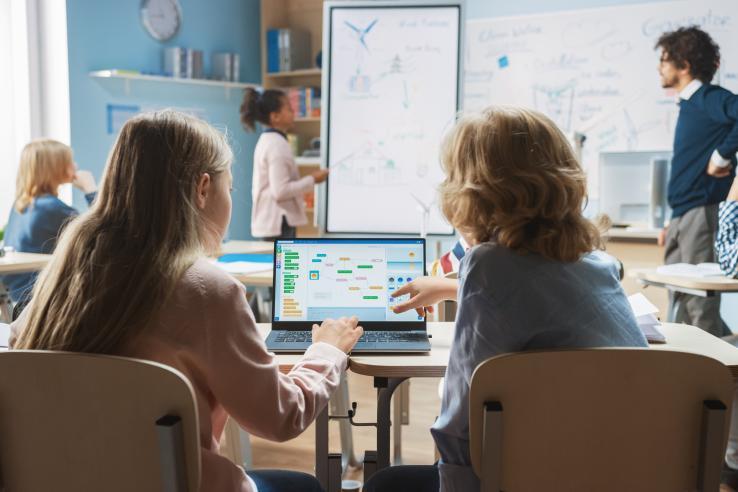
pixel 161 18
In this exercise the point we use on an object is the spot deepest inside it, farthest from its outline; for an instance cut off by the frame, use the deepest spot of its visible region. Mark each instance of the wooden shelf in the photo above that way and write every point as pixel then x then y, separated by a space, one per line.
pixel 304 72
pixel 133 78
pixel 305 16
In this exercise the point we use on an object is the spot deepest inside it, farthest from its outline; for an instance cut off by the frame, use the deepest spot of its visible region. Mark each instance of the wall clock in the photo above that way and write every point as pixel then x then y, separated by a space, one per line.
pixel 161 18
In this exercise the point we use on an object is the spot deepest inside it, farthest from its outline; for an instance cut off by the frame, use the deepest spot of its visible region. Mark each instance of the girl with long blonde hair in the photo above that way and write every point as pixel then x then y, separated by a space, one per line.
pixel 130 278
pixel 534 278
pixel 38 215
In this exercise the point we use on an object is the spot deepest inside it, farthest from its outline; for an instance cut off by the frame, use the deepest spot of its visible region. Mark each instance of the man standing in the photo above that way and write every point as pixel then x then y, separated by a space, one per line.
pixel 705 144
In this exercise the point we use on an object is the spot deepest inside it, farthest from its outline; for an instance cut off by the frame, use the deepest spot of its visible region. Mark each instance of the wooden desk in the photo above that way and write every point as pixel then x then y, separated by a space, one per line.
pixel 247 247
pixel 629 234
pixel 703 287
pixel 23 262
pixel 256 279
pixel 389 371
pixel 16 262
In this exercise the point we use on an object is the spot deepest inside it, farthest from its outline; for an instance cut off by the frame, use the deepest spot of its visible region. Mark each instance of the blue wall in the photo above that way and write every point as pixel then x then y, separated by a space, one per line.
pixel 109 34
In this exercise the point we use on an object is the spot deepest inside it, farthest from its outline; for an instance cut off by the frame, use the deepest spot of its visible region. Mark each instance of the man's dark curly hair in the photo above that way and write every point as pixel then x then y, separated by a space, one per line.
pixel 691 45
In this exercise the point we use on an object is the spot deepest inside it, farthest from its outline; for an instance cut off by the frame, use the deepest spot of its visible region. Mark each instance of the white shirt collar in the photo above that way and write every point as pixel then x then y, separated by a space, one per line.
pixel 690 89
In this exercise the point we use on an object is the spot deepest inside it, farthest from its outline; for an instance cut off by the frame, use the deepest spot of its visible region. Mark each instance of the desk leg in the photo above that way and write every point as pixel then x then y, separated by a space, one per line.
pixel 673 308
pixel 339 406
pixel 6 307
pixel 385 388
pixel 675 302
pixel 400 416
pixel 321 448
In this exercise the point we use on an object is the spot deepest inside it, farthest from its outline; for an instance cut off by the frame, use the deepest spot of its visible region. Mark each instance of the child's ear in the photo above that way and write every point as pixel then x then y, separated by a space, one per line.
pixel 202 191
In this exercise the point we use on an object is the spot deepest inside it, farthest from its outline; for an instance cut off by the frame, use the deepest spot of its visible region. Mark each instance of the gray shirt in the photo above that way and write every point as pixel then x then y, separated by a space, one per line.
pixel 511 302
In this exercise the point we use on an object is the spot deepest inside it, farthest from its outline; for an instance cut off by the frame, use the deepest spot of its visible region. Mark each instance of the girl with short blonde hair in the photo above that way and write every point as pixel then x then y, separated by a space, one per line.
pixel 38 215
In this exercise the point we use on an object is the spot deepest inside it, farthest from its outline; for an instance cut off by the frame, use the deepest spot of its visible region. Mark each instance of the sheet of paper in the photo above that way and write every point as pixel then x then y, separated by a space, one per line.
pixel 641 305
pixel 4 335
pixel 645 313
pixel 701 270
pixel 652 333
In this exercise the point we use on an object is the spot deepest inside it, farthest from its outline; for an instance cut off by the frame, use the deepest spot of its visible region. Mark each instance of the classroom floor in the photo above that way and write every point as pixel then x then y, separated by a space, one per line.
pixel 417 443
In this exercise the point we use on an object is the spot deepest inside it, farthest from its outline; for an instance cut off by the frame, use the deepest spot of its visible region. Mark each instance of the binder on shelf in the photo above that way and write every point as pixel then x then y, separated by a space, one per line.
pixel 287 50
pixel 272 50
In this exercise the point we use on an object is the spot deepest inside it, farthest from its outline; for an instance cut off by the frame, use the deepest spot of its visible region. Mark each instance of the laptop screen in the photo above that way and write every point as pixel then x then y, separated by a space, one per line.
pixel 315 279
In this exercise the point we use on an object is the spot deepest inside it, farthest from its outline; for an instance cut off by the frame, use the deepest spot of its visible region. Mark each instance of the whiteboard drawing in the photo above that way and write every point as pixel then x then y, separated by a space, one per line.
pixel 361 32
pixel 593 71
pixel 367 166
pixel 556 102
pixel 392 94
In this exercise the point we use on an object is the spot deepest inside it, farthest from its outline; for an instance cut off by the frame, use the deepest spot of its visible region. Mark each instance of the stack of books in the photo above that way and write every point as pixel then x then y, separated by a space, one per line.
pixel 305 101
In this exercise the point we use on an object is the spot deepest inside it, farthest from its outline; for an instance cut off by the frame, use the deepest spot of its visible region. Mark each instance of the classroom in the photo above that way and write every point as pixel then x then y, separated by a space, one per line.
pixel 369 245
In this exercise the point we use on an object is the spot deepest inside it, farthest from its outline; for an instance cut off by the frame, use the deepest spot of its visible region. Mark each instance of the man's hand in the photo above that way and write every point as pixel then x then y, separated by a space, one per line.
pixel 718 172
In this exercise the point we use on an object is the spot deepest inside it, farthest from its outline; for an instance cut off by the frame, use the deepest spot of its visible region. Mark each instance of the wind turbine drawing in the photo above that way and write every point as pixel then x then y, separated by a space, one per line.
pixel 425 209
pixel 361 33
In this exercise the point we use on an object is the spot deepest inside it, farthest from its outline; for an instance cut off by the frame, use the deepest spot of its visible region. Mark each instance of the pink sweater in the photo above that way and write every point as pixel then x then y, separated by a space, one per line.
pixel 277 189
pixel 207 332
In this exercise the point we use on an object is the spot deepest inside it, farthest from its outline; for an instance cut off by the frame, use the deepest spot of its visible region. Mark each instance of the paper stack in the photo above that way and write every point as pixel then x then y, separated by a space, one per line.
pixel 701 270
pixel 645 314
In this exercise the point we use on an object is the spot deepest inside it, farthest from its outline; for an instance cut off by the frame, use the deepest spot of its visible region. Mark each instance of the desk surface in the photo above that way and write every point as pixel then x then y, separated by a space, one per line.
pixel 247 247
pixel 633 234
pixel 718 284
pixel 681 338
pixel 256 279
pixel 23 262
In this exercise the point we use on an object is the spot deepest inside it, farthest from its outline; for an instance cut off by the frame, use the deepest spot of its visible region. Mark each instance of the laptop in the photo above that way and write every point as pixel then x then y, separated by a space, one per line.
pixel 315 279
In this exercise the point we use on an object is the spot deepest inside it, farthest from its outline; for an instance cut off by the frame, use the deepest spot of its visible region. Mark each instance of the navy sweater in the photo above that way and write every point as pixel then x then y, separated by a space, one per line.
pixel 35 230
pixel 707 121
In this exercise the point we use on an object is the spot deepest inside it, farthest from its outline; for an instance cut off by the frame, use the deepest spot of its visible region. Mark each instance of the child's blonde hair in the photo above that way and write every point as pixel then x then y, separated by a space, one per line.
pixel 116 264
pixel 511 177
pixel 43 167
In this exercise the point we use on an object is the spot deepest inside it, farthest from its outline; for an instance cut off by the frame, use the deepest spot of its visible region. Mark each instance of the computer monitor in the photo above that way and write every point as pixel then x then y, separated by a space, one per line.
pixel 633 187
pixel 315 279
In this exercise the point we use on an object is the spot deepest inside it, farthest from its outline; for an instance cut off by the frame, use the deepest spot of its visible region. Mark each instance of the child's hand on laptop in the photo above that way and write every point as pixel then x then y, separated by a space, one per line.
pixel 424 292
pixel 342 333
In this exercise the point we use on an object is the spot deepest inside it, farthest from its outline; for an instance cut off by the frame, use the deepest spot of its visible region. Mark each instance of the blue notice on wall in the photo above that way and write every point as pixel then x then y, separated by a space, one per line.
pixel 503 62
pixel 118 114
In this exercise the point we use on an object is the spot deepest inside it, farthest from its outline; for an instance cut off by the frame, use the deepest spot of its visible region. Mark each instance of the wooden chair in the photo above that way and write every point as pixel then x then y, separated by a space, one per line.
pixel 599 419
pixel 78 422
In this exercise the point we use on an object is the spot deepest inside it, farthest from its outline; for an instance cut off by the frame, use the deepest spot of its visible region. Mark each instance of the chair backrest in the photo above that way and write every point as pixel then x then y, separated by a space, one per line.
pixel 74 422
pixel 599 419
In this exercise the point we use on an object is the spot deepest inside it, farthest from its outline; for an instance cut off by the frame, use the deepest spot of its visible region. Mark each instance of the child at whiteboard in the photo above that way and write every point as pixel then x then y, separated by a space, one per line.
pixel 514 190
pixel 277 189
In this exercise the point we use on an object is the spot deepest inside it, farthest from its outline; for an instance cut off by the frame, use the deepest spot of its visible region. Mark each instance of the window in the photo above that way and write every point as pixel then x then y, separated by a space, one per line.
pixel 34 95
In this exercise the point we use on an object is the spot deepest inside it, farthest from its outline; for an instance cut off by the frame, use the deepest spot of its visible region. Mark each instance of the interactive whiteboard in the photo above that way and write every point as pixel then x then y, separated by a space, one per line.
pixel 391 87
pixel 593 71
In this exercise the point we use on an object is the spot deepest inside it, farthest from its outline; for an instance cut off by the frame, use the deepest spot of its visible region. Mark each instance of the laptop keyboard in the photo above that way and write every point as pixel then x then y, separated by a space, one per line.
pixel 371 336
